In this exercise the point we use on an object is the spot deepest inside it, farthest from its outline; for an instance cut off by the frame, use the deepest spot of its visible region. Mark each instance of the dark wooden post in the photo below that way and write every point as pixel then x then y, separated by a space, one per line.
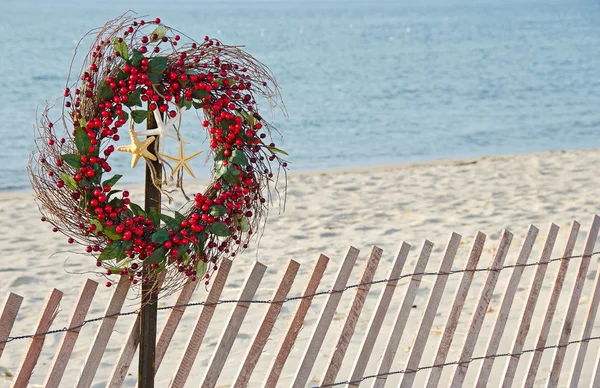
pixel 150 290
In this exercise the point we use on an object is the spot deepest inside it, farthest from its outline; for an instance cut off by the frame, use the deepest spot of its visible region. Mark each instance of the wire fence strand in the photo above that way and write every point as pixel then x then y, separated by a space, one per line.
pixel 464 362
pixel 298 297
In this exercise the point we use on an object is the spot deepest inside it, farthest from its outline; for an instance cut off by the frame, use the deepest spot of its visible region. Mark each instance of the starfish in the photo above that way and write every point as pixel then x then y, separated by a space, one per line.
pixel 138 148
pixel 182 160
pixel 164 128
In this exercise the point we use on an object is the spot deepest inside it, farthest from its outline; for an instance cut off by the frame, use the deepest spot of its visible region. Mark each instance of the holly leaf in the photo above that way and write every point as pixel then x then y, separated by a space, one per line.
pixel 137 210
pixel 199 94
pixel 242 222
pixel 82 141
pixel 134 99
pixel 277 150
pixel 72 160
pixel 157 256
pixel 112 181
pixel 99 227
pixel 111 233
pixel 179 217
pixel 121 48
pixel 220 156
pixel 170 222
pixel 105 92
pixel 220 229
pixel 161 236
pixel 248 117
pixel 136 58
pixel 68 180
pixel 156 68
pixel 200 268
pixel 197 105
pixel 115 250
pixel 139 115
pixel 218 211
pixel 160 31
pixel 154 215
pixel 232 175
pixel 114 270
pixel 239 158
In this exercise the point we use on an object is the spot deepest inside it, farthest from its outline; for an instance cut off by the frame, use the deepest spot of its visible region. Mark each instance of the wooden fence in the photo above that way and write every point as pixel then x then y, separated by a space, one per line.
pixel 424 363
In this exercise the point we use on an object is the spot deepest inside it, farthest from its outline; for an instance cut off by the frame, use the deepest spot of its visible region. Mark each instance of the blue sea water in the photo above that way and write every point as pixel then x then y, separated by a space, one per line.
pixel 364 82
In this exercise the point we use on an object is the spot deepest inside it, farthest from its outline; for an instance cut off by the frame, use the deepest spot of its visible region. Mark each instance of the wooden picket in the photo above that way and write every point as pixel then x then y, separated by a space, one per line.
pixel 423 345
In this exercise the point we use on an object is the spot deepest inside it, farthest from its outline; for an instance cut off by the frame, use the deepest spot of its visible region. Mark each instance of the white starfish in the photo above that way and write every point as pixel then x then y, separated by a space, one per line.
pixel 164 129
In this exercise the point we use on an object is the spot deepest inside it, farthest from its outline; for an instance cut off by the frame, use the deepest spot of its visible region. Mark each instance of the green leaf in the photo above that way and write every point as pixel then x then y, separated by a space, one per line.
pixel 99 227
pixel 238 157
pixel 139 115
pixel 220 156
pixel 232 175
pixel 160 31
pixel 179 218
pixel 154 215
pixel 220 229
pixel 156 68
pixel 157 256
pixel 111 234
pixel 121 48
pixel 218 211
pixel 161 236
pixel 136 58
pixel 68 180
pixel 105 92
pixel 200 268
pixel 248 117
pixel 82 141
pixel 72 160
pixel 115 250
pixel 199 94
pixel 137 210
pixel 134 99
pixel 170 222
pixel 114 270
pixel 197 105
pixel 242 222
pixel 277 150
pixel 111 182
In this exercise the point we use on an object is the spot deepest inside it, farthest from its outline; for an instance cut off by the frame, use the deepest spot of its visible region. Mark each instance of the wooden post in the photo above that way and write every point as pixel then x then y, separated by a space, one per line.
pixel 148 313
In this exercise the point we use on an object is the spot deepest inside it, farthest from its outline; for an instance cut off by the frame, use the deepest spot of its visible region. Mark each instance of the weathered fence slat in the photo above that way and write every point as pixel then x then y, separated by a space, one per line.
pixel 455 311
pixel 128 350
pixel 335 361
pixel 402 316
pixel 234 323
pixel 596 373
pixel 67 343
pixel 529 308
pixel 34 347
pixel 204 318
pixel 507 300
pixel 125 357
pixel 481 309
pixel 320 330
pixel 173 320
pixel 552 304
pixel 590 319
pixel 296 324
pixel 385 298
pixel 433 303
pixel 567 326
pixel 9 315
pixel 103 334
pixel 264 330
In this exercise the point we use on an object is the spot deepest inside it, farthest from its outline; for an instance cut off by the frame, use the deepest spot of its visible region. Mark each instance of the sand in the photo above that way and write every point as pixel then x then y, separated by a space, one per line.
pixel 327 211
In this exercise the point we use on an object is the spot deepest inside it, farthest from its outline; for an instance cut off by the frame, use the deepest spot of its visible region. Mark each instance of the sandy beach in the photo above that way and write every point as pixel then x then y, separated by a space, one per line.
pixel 327 211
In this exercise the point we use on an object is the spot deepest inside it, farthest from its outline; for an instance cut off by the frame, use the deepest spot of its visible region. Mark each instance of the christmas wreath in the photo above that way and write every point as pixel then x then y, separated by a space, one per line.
pixel 140 72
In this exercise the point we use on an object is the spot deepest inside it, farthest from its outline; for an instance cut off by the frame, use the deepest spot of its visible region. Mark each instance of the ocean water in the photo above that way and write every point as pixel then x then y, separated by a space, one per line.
pixel 364 82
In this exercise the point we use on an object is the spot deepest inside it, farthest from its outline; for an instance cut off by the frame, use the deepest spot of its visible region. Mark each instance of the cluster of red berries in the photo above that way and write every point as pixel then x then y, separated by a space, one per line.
pixel 120 77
